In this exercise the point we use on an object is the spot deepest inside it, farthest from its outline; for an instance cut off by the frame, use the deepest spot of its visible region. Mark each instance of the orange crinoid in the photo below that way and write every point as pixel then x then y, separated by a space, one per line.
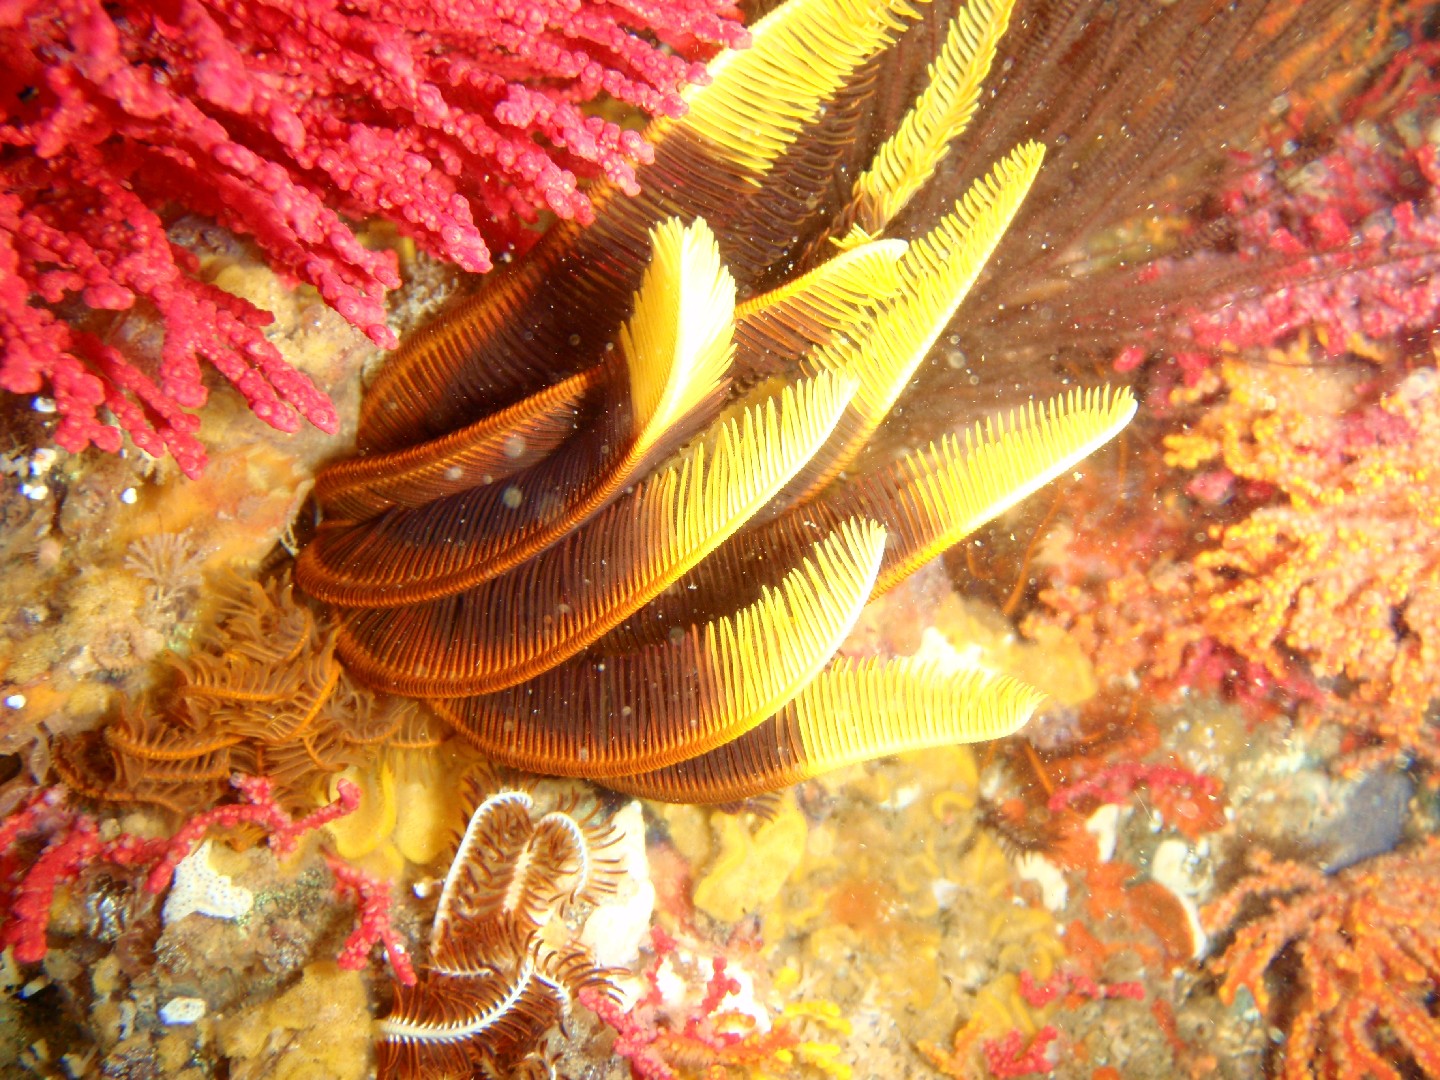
pixel 601 514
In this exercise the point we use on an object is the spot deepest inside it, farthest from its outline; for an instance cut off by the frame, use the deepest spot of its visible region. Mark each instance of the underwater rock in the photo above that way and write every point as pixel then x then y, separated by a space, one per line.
pixel 1373 821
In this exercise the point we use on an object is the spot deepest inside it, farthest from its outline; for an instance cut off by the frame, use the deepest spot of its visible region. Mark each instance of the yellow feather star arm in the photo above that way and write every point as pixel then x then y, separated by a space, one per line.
pixel 907 159
pixel 590 526
pixel 519 624
pixel 836 298
pixel 677 347
pixel 952 488
pixel 857 278
pixel 678 343
pixel 851 712
pixel 759 99
pixel 660 705
pixel 928 501
pixel 936 272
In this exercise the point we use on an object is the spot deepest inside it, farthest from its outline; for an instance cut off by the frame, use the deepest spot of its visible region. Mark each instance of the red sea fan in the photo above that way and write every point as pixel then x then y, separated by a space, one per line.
pixel 282 120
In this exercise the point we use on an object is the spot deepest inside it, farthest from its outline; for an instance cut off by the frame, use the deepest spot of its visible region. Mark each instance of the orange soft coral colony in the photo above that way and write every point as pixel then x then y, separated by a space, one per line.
pixel 602 516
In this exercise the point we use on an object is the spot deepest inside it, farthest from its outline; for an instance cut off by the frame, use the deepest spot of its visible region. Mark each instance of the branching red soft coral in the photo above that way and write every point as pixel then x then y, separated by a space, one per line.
pixel 1358 236
pixel 282 121
pixel 1345 246
pixel 1366 961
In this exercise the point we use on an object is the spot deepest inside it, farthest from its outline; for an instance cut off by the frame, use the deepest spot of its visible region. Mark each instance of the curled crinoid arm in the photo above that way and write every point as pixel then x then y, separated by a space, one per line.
pixel 542 870
pixel 494 1017
pixel 529 620
pixel 594 873
pixel 476 886
pixel 447 1022
pixel 515 866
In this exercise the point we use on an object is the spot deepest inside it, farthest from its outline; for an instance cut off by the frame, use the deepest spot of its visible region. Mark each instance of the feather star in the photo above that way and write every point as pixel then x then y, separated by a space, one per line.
pixel 602 515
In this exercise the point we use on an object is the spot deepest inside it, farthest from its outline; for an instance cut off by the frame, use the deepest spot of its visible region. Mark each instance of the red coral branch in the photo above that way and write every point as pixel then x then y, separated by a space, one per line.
pixel 662 1038
pixel 1072 982
pixel 1010 1056
pixel 1347 249
pixel 282 121
pixel 1181 795
pixel 635 1035
pixel 373 896
pixel 1360 252
pixel 259 808
pixel 70 842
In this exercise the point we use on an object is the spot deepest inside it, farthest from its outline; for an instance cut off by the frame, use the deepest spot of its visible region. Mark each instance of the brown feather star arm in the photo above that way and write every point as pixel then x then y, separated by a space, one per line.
pixel 941 113
pixel 651 708
pixel 768 130
pixel 519 624
pixel 928 501
pixel 936 272
pixel 851 712
pixel 403 553
pixel 492 449
pixel 677 347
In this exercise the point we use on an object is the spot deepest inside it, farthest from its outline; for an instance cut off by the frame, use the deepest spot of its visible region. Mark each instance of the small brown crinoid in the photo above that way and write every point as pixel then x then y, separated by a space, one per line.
pixel 603 514
pixel 261 694
pixel 503 969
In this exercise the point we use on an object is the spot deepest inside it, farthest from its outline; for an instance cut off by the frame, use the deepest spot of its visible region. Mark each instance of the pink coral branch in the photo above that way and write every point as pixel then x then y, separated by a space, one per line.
pixel 717 990
pixel 1347 250
pixel 71 843
pixel 635 1035
pixel 1115 782
pixel 653 1032
pixel 1071 982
